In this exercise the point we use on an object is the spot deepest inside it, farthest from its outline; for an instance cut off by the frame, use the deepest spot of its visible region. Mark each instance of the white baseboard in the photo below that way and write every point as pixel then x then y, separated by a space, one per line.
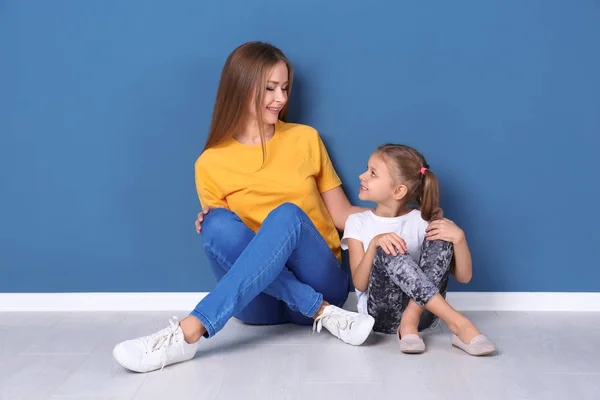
pixel 137 301
pixel 525 301
pixel 463 301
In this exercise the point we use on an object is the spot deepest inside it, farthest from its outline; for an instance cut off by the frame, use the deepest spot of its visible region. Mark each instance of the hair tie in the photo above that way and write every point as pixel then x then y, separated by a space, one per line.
pixel 423 170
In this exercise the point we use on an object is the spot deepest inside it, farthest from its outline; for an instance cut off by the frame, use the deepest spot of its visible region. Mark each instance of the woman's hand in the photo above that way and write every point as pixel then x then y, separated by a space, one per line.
pixel 389 242
pixel 446 230
pixel 200 218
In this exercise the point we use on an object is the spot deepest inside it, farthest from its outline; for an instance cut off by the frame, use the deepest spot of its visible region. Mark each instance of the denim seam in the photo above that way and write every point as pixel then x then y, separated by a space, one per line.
pixel 319 237
pixel 316 305
pixel 224 260
pixel 237 296
pixel 300 223
pixel 316 233
pixel 197 313
pixel 210 329
pixel 219 256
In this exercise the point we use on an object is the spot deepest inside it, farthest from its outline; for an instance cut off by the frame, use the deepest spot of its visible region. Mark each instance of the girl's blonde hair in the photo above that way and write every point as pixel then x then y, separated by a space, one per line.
pixel 409 167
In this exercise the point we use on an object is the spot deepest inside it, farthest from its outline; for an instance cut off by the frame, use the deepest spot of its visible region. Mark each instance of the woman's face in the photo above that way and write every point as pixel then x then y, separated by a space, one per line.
pixel 276 94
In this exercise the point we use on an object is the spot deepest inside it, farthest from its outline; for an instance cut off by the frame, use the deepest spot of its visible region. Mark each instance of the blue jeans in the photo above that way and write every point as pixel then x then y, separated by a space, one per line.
pixel 280 274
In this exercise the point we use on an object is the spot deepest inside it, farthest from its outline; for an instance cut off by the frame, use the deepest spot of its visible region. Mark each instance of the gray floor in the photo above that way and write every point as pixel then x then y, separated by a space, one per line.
pixel 68 356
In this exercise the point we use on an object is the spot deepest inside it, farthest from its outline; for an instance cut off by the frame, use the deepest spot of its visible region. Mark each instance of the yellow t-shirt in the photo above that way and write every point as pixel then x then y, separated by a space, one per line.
pixel 297 170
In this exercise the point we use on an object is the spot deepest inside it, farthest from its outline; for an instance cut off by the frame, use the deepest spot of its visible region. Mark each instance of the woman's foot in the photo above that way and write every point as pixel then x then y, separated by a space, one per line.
pixel 478 346
pixel 149 353
pixel 350 327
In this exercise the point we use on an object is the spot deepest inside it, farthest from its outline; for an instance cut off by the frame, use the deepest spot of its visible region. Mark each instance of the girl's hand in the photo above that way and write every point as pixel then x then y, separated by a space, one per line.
pixel 200 218
pixel 389 242
pixel 446 230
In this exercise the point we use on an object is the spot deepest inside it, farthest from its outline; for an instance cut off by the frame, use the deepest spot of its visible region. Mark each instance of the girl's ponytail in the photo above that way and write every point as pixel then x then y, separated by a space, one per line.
pixel 429 201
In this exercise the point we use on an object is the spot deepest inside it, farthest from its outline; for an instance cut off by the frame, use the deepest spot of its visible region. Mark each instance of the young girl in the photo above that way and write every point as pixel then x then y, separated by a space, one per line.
pixel 401 257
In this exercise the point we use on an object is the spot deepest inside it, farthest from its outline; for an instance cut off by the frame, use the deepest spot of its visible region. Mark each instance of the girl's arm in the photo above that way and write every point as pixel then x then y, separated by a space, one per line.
pixel 463 267
pixel 446 230
pixel 339 206
pixel 361 262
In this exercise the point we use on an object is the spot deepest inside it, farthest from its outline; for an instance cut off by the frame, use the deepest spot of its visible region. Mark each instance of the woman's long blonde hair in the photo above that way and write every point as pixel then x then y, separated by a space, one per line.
pixel 244 74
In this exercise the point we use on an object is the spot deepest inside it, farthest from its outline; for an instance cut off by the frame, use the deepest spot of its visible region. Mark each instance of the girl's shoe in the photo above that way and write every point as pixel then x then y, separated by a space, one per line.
pixel 479 346
pixel 411 344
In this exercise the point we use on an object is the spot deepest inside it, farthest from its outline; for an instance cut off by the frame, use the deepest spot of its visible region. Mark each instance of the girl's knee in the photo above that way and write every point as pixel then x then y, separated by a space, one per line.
pixel 382 257
pixel 436 246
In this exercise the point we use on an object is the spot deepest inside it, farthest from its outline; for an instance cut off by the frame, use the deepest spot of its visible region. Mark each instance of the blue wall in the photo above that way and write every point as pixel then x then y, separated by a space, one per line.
pixel 105 105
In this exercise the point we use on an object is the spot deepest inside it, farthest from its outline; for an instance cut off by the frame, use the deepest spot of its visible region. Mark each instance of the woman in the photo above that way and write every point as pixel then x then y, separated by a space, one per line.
pixel 270 235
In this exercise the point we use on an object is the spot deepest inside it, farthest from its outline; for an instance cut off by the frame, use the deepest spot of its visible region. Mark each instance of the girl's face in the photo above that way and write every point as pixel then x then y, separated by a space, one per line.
pixel 377 183
pixel 276 94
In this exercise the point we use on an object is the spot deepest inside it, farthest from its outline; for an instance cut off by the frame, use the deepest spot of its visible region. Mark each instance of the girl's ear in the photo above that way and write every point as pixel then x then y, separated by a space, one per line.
pixel 400 192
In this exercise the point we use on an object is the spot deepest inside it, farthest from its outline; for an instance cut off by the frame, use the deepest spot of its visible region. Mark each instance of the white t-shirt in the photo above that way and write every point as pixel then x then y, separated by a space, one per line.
pixel 366 225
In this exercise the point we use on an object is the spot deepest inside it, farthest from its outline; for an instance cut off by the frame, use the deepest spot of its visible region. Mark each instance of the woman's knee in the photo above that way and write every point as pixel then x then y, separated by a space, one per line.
pixel 215 221
pixel 286 211
pixel 220 226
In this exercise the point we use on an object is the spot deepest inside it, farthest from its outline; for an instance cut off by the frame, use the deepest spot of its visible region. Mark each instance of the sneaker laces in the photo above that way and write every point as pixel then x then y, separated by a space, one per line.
pixel 162 340
pixel 338 321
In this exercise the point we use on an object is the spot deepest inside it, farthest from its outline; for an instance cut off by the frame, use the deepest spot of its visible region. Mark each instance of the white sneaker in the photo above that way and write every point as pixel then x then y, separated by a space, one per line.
pixel 350 327
pixel 155 351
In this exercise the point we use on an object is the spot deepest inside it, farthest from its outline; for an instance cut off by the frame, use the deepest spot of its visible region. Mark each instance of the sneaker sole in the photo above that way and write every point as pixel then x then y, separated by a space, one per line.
pixel 125 364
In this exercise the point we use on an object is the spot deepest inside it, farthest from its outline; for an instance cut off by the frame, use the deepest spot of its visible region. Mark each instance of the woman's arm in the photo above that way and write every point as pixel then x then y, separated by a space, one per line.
pixel 339 206
pixel 446 230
